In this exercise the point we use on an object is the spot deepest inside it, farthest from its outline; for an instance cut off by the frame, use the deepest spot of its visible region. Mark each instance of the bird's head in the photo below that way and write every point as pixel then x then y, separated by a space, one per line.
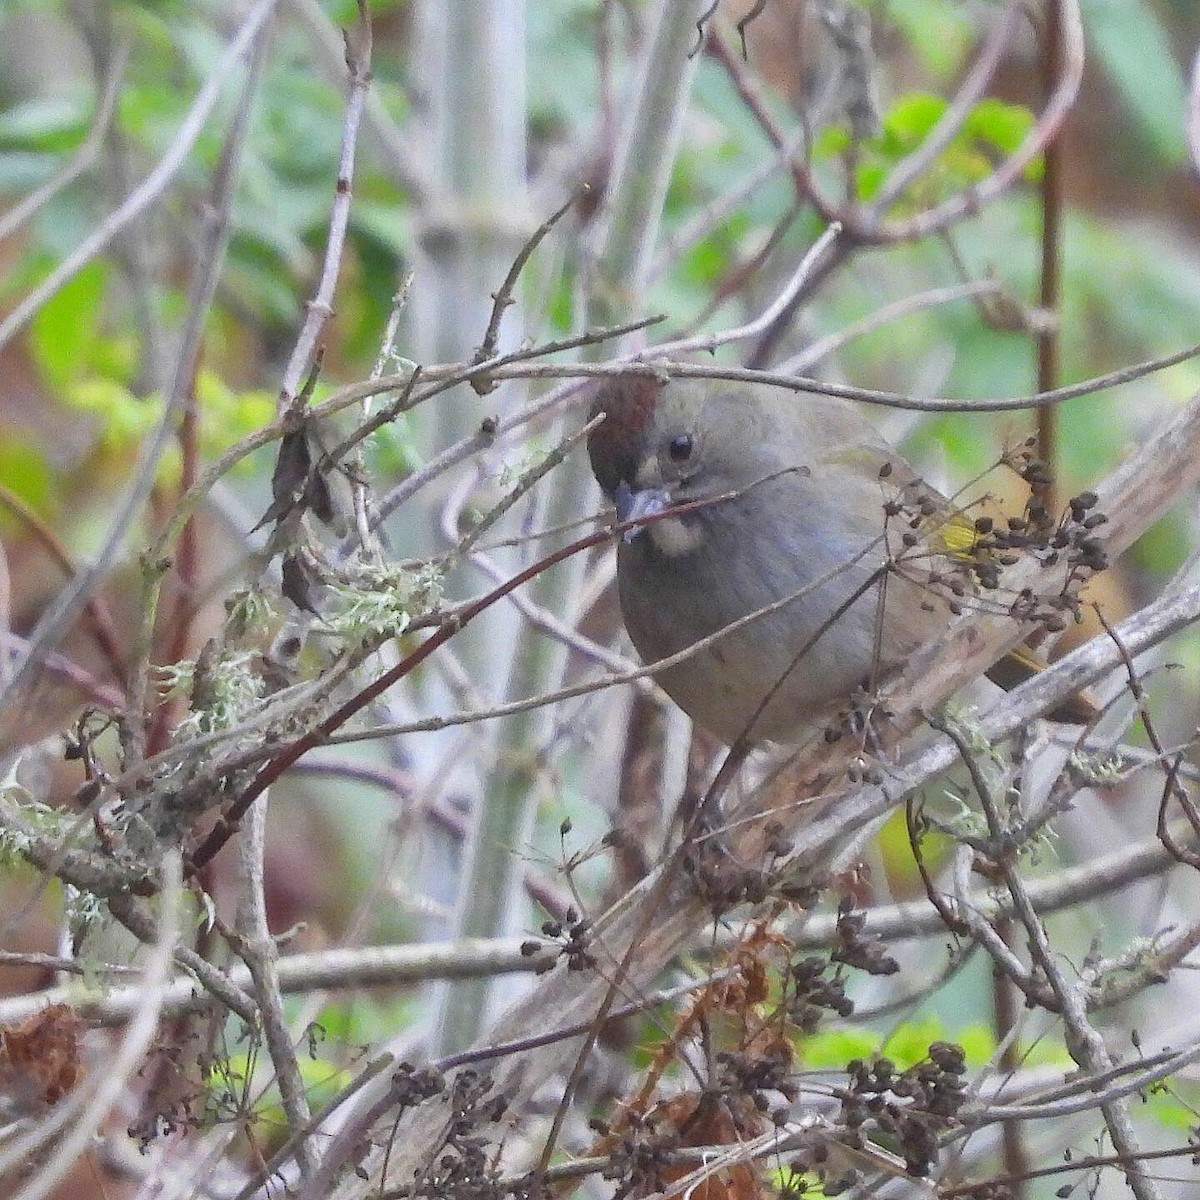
pixel 662 444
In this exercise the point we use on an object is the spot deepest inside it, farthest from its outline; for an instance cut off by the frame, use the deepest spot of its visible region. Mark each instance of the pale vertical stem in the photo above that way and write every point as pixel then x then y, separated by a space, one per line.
pixel 649 144
pixel 470 70
pixel 645 160
pixel 259 952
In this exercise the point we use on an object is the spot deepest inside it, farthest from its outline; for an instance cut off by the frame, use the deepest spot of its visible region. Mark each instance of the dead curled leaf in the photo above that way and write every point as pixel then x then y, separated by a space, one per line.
pixel 39 1057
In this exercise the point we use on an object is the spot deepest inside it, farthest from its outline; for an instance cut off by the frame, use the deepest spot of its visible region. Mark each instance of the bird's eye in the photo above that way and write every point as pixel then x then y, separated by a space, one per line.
pixel 680 447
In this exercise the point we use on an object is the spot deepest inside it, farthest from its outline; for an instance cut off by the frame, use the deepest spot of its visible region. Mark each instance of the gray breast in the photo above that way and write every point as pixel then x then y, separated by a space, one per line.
pixel 671 602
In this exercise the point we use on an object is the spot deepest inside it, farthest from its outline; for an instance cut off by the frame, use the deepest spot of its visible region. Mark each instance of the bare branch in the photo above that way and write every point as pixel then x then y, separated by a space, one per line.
pixel 320 307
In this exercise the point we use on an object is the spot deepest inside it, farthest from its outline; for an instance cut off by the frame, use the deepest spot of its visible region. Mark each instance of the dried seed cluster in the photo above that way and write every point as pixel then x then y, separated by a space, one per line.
pixel 721 880
pixel 572 933
pixel 812 994
pixel 857 948
pixel 641 1157
pixel 755 1074
pixel 912 1107
pixel 461 1166
pixel 962 561
pixel 414 1085
pixel 724 882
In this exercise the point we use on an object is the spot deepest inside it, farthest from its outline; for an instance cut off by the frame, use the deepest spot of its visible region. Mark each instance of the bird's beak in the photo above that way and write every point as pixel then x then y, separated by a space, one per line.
pixel 632 506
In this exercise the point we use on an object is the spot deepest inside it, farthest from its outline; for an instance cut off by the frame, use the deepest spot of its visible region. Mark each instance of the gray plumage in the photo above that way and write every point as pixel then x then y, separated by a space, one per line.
pixel 809 526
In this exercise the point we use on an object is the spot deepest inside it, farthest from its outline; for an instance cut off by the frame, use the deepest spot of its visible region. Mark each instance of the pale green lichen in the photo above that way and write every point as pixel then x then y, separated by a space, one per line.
pixel 247 609
pixel 82 911
pixel 1100 769
pixel 24 819
pixel 382 600
pixel 229 688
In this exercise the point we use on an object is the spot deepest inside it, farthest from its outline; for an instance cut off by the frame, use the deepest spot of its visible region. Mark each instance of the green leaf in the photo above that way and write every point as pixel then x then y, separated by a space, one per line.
pixel 909 1042
pixel 227 416
pixel 832 1049
pixel 54 123
pixel 254 276
pixel 999 124
pixel 25 471
pixel 940 35
pixel 124 418
pixel 1164 547
pixel 869 179
pixel 831 141
pixel 386 222
pixel 798 1185
pixel 22 170
pixel 64 334
pixel 1171 1110
pixel 908 122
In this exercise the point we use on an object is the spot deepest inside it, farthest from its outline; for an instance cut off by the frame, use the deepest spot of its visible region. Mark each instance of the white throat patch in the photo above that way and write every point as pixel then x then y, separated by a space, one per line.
pixel 674 538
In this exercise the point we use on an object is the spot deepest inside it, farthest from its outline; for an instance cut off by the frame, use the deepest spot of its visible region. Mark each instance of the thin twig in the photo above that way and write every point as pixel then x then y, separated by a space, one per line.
pixel 503 297
pixel 751 94
pixel 70 599
pixel 1049 340
pixel 718 210
pixel 1193 114
pixel 256 948
pixel 320 307
pixel 1044 130
pixel 94 608
pixel 73 1124
pixel 397 155
pixel 216 230
pixel 935 297
pixel 517 365
pixel 1084 1043
pixel 970 90
pixel 367 967
pixel 799 278
pixel 1090 1162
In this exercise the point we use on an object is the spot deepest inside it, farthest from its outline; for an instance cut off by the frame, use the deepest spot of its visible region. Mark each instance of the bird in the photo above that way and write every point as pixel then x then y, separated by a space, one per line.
pixel 792 506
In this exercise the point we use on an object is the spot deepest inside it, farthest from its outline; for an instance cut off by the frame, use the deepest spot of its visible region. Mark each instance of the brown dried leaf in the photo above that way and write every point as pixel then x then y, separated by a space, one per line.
pixel 39 1057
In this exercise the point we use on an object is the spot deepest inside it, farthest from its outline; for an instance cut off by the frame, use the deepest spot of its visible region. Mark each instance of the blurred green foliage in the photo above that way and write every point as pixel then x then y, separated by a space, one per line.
pixel 992 129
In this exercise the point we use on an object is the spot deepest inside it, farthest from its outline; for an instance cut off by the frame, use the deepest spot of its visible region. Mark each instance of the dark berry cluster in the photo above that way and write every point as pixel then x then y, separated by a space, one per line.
pixel 641 1156
pixel 971 555
pixel 1036 532
pixel 413 1085
pixel 461 1166
pixel 756 1073
pixel 722 881
pixel 572 935
pixel 855 947
pixel 911 1107
pixel 811 994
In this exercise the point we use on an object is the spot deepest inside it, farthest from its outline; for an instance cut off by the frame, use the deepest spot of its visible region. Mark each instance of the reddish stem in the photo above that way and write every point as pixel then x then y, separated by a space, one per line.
pixel 1049 341
pixel 183 609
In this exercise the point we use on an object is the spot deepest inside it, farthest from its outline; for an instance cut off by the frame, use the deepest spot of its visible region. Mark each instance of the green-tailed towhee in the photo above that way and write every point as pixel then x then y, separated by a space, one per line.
pixel 818 516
